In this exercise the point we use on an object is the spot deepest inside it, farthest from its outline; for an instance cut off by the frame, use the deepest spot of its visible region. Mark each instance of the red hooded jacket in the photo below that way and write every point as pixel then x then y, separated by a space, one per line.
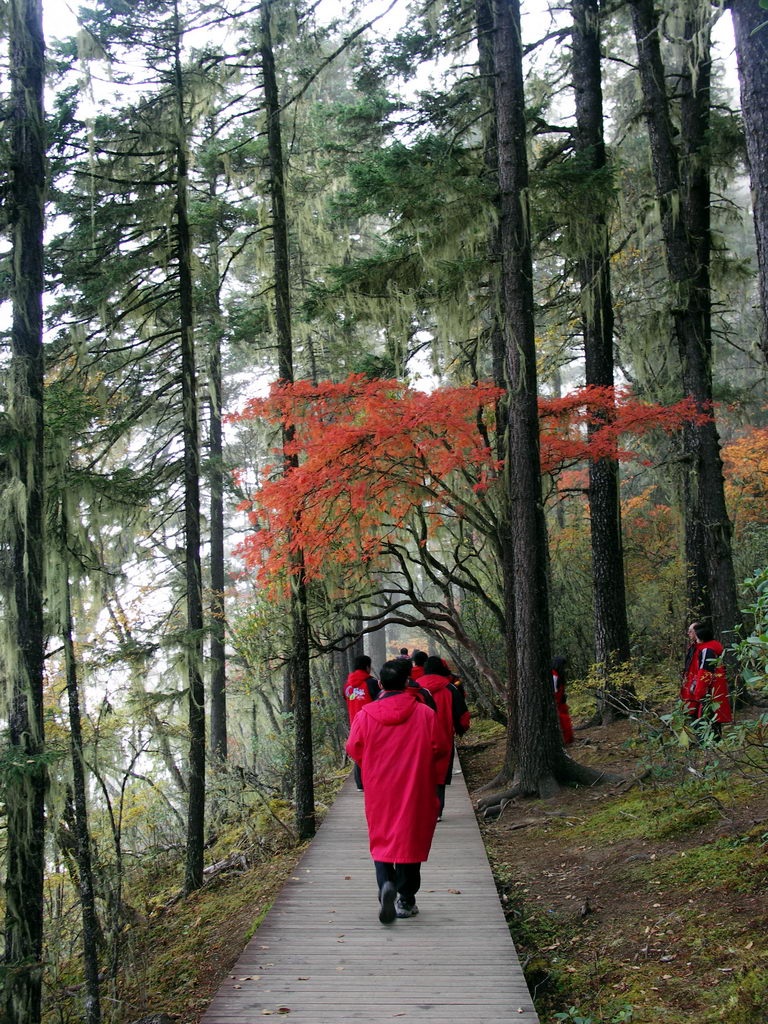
pixel 360 689
pixel 395 741
pixel 452 717
pixel 564 715
pixel 705 682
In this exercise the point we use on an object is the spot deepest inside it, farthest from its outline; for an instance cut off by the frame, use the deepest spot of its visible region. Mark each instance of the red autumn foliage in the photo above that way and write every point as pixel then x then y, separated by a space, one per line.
pixel 374 452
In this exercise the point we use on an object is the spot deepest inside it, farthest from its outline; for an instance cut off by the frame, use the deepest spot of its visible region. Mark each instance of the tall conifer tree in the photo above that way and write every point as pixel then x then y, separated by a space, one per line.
pixel 23 499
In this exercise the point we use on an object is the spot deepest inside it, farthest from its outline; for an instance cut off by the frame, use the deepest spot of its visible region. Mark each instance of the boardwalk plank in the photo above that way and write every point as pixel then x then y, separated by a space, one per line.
pixel 321 956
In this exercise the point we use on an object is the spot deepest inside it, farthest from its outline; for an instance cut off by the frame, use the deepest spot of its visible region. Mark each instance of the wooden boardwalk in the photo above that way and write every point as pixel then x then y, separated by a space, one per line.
pixel 321 956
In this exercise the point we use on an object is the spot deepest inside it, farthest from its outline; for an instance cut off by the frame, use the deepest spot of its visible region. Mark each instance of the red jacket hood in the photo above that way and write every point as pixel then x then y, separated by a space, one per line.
pixel 392 710
pixel 434 683
pixel 358 676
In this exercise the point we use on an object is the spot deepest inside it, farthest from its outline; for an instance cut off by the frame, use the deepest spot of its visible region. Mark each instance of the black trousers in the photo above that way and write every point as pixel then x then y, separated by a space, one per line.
pixel 406 878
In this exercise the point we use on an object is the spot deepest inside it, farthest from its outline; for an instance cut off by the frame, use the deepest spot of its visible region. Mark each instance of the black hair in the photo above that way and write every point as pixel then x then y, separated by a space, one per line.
pixel 362 661
pixel 435 666
pixel 404 652
pixel 703 631
pixel 419 657
pixel 392 676
pixel 558 665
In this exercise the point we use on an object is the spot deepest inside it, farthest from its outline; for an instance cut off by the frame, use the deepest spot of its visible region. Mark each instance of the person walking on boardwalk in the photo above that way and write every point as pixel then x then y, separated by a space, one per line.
pixel 360 689
pixel 452 716
pixel 397 743
pixel 419 660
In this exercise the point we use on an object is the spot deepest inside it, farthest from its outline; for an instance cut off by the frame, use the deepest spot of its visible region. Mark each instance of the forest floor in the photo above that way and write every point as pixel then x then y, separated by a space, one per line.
pixel 640 902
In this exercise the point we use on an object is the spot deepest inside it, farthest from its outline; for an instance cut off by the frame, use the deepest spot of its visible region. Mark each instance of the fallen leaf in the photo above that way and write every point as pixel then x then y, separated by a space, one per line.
pixel 283 1009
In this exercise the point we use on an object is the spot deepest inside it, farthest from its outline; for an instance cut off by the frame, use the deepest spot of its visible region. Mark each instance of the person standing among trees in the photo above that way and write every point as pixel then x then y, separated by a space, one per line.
pixel 452 716
pixel 398 745
pixel 705 687
pixel 360 689
pixel 563 714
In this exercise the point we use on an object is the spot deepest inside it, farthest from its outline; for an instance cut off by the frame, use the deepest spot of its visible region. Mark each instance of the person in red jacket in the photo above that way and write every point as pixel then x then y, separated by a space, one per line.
pixel 396 742
pixel 705 688
pixel 360 689
pixel 563 714
pixel 419 659
pixel 452 716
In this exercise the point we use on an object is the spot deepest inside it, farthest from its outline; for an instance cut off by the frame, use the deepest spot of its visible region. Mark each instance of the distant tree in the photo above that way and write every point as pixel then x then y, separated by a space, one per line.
pixel 298 664
pixel 750 24
pixel 682 177
pixel 611 628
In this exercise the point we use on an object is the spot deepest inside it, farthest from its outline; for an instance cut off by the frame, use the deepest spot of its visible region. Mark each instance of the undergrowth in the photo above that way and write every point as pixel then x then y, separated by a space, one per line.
pixel 646 906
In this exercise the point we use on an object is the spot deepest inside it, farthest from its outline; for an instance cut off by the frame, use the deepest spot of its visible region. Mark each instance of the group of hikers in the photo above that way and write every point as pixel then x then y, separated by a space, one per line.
pixel 401 741
pixel 402 728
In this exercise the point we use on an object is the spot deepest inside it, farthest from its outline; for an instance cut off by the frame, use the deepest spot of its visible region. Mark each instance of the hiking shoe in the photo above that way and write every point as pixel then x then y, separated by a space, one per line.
pixel 403 909
pixel 387 901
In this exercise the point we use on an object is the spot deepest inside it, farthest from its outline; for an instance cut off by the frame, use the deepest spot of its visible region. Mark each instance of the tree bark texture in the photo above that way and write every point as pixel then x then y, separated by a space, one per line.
pixel 298 663
pixel 193 878
pixel 682 188
pixel 90 937
pixel 485 44
pixel 751 32
pixel 532 716
pixel 217 611
pixel 610 607
pixel 25 790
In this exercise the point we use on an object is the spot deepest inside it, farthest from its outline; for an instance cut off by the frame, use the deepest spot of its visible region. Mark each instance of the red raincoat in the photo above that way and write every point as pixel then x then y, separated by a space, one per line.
pixel 395 741
pixel 357 691
pixel 443 696
pixel 566 726
pixel 705 684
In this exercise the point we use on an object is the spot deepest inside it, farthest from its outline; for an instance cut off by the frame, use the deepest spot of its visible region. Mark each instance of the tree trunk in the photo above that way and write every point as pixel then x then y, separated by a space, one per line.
pixel 610 607
pixel 218 692
pixel 193 878
pixel 377 648
pixel 25 789
pixel 85 885
pixel 299 659
pixel 684 203
pixel 485 44
pixel 535 761
pixel 749 26
pixel 534 731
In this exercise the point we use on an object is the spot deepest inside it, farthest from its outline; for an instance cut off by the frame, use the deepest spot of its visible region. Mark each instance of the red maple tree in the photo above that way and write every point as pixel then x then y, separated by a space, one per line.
pixel 371 453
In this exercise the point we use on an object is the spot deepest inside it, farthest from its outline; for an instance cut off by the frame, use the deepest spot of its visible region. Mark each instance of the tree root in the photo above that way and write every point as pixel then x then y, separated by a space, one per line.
pixel 569 771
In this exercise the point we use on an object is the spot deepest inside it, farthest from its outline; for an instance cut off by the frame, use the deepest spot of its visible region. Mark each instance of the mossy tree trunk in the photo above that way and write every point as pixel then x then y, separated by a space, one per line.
pixel 26 783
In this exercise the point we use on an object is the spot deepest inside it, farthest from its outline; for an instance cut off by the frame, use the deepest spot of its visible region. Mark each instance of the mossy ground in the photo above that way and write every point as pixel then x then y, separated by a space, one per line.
pixel 652 898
